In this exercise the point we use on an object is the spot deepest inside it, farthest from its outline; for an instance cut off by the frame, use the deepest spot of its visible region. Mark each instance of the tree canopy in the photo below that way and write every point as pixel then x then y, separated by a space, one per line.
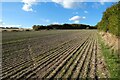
pixel 63 26
pixel 111 20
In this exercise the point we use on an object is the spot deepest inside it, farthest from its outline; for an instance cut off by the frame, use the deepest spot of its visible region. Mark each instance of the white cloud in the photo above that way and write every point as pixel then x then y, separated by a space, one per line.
pixel 85 11
pixel 28 4
pixel 96 5
pixel 76 19
pixel 55 23
pixel 103 1
pixel 45 20
pixel 84 17
pixel 27 7
pixel 108 0
pixel 68 3
pixel 1 22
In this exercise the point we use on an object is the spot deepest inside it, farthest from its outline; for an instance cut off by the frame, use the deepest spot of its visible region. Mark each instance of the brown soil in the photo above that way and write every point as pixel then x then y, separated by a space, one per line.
pixel 110 40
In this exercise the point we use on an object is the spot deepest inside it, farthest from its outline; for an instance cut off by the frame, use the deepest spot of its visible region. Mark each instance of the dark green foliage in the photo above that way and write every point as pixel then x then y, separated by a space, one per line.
pixel 64 26
pixel 27 30
pixel 2 27
pixel 11 28
pixel 38 27
pixel 111 20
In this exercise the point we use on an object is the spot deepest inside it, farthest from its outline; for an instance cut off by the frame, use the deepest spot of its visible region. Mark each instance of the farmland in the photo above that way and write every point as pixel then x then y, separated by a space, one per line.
pixel 52 54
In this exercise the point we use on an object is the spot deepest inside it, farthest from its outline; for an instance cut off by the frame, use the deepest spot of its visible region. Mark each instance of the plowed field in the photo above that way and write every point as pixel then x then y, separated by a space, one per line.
pixel 52 54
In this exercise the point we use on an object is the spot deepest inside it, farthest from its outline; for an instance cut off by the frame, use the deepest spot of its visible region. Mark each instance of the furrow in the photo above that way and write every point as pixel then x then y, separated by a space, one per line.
pixel 70 70
pixel 87 62
pixel 81 62
pixel 49 70
pixel 37 65
pixel 92 65
pixel 46 65
pixel 64 69
pixel 64 62
pixel 22 68
pixel 5 70
pixel 76 70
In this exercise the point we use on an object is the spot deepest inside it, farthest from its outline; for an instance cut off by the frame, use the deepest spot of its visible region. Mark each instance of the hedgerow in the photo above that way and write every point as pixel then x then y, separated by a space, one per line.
pixel 111 20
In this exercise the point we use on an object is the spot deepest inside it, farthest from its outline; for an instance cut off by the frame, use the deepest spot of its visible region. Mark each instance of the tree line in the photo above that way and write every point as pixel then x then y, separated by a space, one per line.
pixel 9 27
pixel 63 26
pixel 111 20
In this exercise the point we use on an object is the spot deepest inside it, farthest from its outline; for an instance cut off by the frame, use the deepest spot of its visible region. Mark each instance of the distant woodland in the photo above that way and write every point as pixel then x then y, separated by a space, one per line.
pixel 63 26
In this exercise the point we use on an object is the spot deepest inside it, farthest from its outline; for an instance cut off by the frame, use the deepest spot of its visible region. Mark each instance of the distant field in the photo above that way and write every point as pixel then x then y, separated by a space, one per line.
pixel 52 54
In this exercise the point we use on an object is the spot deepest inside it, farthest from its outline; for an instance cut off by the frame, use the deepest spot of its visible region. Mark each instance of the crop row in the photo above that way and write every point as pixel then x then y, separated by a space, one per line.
pixel 35 50
pixel 20 68
pixel 56 56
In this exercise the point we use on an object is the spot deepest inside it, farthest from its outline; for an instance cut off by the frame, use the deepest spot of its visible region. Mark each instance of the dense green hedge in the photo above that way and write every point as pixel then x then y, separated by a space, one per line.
pixel 111 20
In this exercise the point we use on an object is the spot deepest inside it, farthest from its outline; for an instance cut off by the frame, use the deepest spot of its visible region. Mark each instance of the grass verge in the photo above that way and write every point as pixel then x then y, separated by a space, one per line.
pixel 111 58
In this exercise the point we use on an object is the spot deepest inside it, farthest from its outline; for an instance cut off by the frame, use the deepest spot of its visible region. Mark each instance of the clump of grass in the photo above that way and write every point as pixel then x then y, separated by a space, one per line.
pixel 111 58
